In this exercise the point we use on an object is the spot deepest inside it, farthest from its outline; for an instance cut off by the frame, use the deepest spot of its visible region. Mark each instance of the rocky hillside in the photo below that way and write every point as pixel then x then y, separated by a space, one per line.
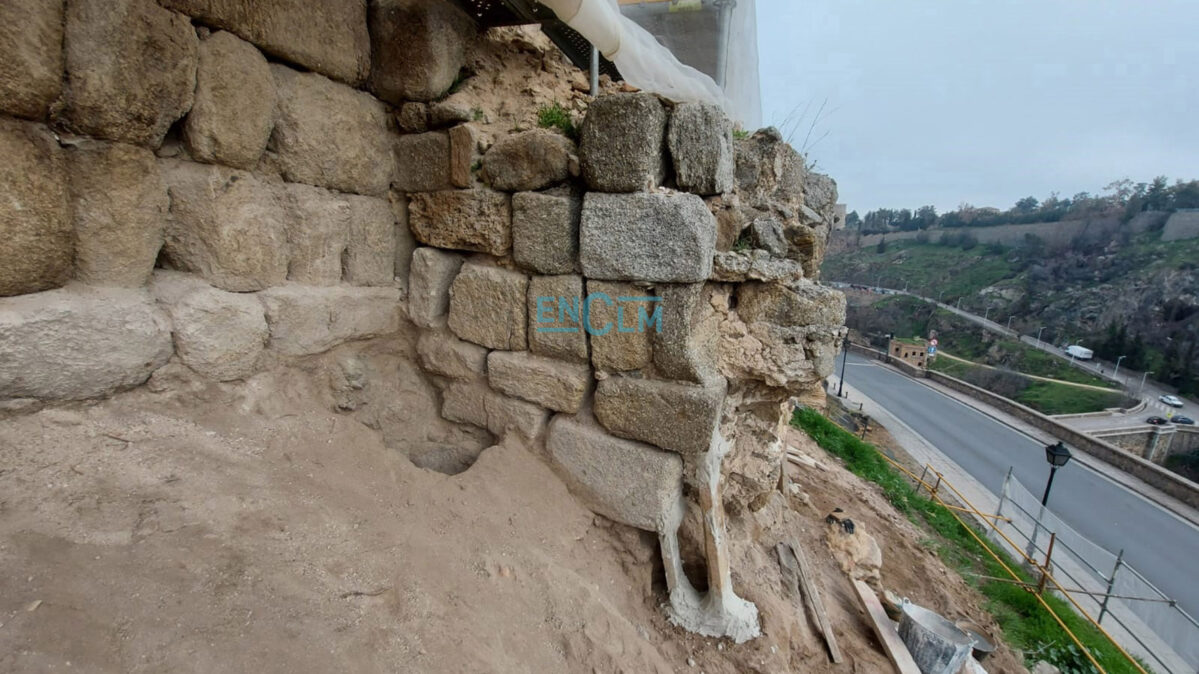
pixel 1132 295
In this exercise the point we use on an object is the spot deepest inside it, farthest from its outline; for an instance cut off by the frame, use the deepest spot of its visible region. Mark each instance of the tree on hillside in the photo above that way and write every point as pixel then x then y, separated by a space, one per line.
pixel 882 246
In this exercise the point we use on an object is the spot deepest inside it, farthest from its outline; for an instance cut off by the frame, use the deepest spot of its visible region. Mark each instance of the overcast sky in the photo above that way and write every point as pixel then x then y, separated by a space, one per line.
pixel 944 101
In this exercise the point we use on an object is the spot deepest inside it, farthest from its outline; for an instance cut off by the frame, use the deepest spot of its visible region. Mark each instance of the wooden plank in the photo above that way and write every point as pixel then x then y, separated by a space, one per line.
pixel 793 559
pixel 892 644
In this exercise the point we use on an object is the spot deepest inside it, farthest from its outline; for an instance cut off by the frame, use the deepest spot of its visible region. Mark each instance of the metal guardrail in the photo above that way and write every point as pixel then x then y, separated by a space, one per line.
pixel 1046 578
pixel 1114 589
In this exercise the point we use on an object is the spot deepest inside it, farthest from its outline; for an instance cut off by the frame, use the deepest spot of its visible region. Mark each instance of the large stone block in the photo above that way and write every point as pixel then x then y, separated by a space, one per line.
pixel 629 482
pixel 551 383
pixel 318 231
pixel 120 211
pixel 326 36
pixel 472 402
pixel 80 342
pixel 660 236
pixel 797 305
pixel 488 306
pixel 226 225
pixel 820 194
pixel 478 220
pixel 443 354
pixel 31 62
pixel 312 319
pixel 330 135
pixel 678 417
pixel 556 317
pixel 506 415
pixel 231 120
pixel 685 344
pixel 529 160
pixel 769 172
pixel 422 162
pixel 132 69
pixel 465 402
pixel 755 265
pixel 432 273
pixel 619 316
pixel 545 231
pixel 38 239
pixel 621 142
pixel 218 334
pixel 370 254
pixel 700 139
pixel 417 48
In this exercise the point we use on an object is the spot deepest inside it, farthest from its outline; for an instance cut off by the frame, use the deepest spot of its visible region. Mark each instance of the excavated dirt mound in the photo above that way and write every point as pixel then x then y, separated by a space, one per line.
pixel 278 525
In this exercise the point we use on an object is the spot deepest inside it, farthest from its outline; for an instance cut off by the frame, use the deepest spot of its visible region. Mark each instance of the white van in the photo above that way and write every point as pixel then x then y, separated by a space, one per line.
pixel 1079 352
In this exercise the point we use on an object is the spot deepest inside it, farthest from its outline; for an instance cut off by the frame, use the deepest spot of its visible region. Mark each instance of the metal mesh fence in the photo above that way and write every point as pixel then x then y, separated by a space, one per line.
pixel 1143 619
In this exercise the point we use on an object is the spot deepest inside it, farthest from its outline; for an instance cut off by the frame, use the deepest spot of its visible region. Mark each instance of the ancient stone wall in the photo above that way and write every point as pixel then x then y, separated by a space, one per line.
pixel 234 184
pixel 217 182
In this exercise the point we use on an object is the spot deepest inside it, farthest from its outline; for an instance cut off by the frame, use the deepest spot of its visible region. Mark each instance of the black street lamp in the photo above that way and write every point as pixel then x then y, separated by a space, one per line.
pixel 844 358
pixel 1057 456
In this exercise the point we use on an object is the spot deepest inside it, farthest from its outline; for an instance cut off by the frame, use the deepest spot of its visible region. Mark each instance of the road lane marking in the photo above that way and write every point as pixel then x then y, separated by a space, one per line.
pixel 1085 460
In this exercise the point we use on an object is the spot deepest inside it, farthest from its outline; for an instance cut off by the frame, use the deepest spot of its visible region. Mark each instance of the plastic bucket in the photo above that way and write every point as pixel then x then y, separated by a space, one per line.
pixel 937 645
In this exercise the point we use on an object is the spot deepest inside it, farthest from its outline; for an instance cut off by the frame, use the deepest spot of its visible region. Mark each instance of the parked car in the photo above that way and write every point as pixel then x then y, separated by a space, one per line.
pixel 1172 401
pixel 1156 421
pixel 1183 420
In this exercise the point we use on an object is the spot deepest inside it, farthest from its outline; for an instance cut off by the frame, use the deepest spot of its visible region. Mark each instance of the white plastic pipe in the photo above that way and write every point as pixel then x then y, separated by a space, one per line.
pixel 641 59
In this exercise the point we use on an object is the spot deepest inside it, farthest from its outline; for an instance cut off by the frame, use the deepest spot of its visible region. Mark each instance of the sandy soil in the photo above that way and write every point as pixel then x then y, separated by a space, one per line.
pixel 263 526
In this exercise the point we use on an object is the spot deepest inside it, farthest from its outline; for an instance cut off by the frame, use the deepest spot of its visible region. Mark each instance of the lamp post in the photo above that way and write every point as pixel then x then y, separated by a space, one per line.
pixel 1039 336
pixel 1009 322
pixel 987 313
pixel 940 295
pixel 1117 370
pixel 1057 456
pixel 844 357
pixel 1141 391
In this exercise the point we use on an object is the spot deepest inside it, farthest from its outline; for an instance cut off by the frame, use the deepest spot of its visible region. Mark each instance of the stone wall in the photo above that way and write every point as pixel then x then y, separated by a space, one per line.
pixel 1182 225
pixel 648 320
pixel 210 181
pixel 231 185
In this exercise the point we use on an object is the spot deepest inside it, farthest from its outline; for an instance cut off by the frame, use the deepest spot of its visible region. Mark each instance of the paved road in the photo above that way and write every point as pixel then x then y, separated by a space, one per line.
pixel 1157 543
pixel 1132 380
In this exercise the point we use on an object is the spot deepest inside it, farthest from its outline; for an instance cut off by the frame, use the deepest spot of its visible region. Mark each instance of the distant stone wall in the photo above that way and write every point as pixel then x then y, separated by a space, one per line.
pixel 1052 233
pixel 1182 225
pixel 1060 233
